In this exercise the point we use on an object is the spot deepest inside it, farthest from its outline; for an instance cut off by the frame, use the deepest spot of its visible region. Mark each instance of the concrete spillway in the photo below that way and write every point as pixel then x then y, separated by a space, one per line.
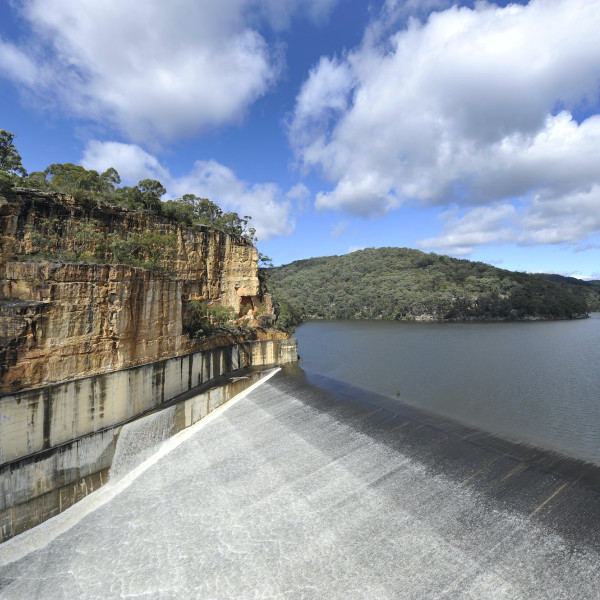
pixel 308 488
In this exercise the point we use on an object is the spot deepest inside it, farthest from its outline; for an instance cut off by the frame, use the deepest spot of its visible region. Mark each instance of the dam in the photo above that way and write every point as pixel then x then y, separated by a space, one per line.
pixel 307 487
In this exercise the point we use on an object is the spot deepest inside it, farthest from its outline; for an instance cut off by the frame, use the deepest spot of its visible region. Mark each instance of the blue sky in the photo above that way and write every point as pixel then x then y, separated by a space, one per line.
pixel 470 129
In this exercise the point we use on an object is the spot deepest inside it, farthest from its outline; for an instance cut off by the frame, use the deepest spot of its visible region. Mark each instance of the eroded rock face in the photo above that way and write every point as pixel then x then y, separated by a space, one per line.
pixel 65 320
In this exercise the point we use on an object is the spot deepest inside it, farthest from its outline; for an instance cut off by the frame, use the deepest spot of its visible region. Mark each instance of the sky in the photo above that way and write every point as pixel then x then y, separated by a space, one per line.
pixel 463 128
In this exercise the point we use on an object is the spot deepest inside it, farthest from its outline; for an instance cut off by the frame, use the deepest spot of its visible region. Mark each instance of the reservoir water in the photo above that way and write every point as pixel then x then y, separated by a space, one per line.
pixel 533 382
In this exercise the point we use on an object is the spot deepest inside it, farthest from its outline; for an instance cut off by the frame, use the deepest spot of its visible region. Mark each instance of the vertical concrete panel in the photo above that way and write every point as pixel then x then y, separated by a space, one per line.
pixel 113 398
pixel 21 424
pixel 42 477
pixel 24 517
pixel 140 387
pixel 245 350
pixel 5 524
pixel 198 407
pixel 171 375
pixel 22 481
pixel 61 413
pixel 287 351
pixel 84 392
pixel 206 360
pixel 262 353
pixel 215 399
pixel 235 358
pixel 225 356
pixel 71 411
pixel 188 408
pixel 196 369
pixel 184 375
pixel 176 377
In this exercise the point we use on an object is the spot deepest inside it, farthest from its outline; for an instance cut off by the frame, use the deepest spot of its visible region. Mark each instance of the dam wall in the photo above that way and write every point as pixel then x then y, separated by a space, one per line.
pixel 312 488
pixel 57 442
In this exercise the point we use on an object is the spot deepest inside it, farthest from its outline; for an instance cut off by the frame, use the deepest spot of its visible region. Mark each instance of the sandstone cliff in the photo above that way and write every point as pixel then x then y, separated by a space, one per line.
pixel 61 320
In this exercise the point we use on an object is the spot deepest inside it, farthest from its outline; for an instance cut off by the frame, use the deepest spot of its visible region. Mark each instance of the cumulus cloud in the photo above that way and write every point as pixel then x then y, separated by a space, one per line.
pixel 155 70
pixel 479 226
pixel 323 98
pixel 547 219
pixel 269 207
pixel 133 162
pixel 264 202
pixel 472 108
pixel 562 219
pixel 298 192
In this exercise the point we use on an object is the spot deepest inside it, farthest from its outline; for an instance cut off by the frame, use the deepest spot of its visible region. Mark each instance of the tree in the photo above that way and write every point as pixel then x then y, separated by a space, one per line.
pixel 221 315
pixel 68 178
pixel 88 234
pixel 10 159
pixel 205 211
pixel 148 248
pixel 6 182
pixel 36 180
pixel 150 193
pixel 267 261
pixel 110 179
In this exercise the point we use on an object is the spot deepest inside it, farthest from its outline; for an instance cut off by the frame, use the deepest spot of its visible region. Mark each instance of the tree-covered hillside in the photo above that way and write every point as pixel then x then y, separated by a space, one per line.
pixel 570 280
pixel 400 283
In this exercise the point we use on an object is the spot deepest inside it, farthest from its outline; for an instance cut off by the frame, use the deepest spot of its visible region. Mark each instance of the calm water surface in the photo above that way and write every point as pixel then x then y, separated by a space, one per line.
pixel 534 382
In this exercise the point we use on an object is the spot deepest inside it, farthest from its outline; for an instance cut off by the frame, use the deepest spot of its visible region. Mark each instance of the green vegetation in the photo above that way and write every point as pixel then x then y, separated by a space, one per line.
pixel 89 188
pixel 11 167
pixel 205 320
pixel 400 284
pixel 148 249
pixel 590 290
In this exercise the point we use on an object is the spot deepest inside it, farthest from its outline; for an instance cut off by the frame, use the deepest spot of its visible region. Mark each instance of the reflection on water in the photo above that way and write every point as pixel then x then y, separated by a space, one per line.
pixel 534 382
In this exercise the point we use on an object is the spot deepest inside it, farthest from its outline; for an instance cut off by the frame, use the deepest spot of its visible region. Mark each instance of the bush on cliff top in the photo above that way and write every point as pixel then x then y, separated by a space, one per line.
pixel 89 186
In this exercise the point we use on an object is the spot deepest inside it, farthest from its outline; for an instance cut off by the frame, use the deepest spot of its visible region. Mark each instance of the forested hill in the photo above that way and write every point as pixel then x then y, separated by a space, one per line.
pixel 400 283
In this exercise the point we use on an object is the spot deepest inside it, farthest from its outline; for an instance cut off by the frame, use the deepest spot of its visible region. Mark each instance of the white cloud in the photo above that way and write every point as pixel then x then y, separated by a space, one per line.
pixel 279 13
pixel 564 219
pixel 132 162
pixel 300 195
pixel 472 108
pixel 547 219
pixel 339 229
pixel 323 97
pixel 298 192
pixel 396 12
pixel 17 65
pixel 155 70
pixel 479 226
pixel 271 212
